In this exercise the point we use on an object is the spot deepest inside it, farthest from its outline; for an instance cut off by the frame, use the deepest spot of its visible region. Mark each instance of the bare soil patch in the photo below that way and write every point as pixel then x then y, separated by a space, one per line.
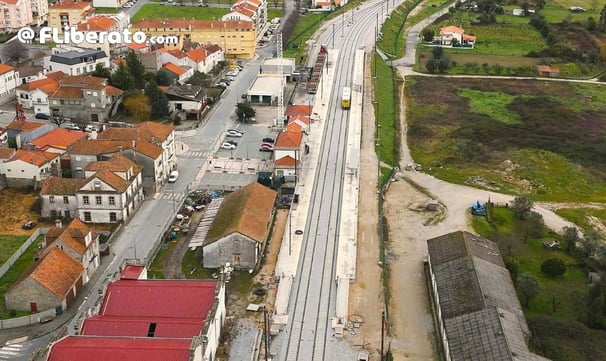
pixel 17 208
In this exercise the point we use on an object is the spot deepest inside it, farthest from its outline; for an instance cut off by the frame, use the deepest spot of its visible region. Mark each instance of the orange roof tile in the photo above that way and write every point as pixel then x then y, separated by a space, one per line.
pixel 451 29
pixel 299 119
pixel 197 55
pixel 247 211
pixel 97 23
pixel 174 52
pixel 59 138
pixel 5 68
pixel 88 82
pixel 244 11
pixel 174 68
pixel 286 161
pixel 7 153
pixel 104 145
pixel 72 236
pixel 61 186
pixel 57 272
pixel 298 109
pixel 112 179
pixel 137 46
pixel 47 85
pixel 68 4
pixel 35 157
pixel 468 37
pixel 148 131
pixel 57 75
pixel 24 126
pixel 117 163
pixel 294 127
pixel 113 91
pixel 289 140
pixel 68 92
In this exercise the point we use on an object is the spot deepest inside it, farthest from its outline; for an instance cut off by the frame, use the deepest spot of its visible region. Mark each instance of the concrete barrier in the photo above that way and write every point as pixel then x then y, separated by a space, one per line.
pixel 35 318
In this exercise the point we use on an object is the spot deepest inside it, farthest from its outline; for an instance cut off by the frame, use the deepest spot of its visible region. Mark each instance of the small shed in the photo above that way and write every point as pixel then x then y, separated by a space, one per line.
pixel 548 71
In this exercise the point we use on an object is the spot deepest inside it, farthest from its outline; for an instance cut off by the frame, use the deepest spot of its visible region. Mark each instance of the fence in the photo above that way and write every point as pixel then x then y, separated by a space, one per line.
pixel 9 263
pixel 28 320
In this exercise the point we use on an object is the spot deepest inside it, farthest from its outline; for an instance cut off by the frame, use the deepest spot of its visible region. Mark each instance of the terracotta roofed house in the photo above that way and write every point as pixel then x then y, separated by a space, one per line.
pixel 9 80
pixel 34 95
pixel 51 283
pixel 26 168
pixel 57 141
pixel 58 197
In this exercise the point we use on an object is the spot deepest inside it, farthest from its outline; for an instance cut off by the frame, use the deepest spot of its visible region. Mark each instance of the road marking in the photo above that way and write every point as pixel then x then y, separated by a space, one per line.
pixel 16 340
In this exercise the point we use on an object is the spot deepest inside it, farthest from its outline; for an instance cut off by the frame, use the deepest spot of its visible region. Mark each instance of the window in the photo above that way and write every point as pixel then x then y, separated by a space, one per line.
pixel 94 94
pixel 51 199
pixel 53 214
pixel 67 214
pixel 87 217
pixel 65 200
pixel 112 200
pixel 98 200
pixel 85 200
pixel 112 217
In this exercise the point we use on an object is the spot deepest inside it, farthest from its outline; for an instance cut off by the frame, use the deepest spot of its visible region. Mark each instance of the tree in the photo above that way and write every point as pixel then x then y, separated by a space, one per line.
pixel 200 79
pixel 437 52
pixel 159 101
pixel 521 206
pixel 513 265
pixel 14 51
pixel 164 77
pixel 528 287
pixel 122 79
pixel 570 235
pixel 102 72
pixel 138 106
pixel 244 111
pixel 553 267
pixel 427 34
pixel 431 65
pixel 590 242
pixel 136 69
pixel 57 119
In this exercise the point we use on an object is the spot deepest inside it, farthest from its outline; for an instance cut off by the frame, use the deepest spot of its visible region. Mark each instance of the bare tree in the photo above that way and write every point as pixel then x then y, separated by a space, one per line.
pixel 14 51
pixel 57 119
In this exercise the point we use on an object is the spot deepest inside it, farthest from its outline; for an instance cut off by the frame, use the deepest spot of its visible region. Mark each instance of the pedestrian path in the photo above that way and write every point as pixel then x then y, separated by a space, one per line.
pixel 10 352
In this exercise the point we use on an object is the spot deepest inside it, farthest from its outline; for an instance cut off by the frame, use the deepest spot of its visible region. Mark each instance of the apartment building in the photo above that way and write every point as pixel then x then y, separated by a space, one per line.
pixel 68 13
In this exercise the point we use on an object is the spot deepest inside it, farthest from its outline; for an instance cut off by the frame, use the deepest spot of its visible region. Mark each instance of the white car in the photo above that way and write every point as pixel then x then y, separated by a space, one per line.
pixel 91 128
pixel 71 126
pixel 234 133
pixel 228 146
pixel 232 73
pixel 173 176
pixel 128 5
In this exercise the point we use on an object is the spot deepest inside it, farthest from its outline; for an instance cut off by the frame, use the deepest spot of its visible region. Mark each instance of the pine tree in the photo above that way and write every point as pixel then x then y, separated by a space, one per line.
pixel 159 101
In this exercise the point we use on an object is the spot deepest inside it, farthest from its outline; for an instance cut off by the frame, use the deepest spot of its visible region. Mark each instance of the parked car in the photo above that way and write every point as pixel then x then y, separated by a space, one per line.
pixel 232 142
pixel 29 225
pixel 232 73
pixel 265 144
pixel 225 80
pixel 72 126
pixel 173 176
pixel 42 116
pixel 233 133
pixel 220 85
pixel 228 146
pixel 268 140
pixel 266 148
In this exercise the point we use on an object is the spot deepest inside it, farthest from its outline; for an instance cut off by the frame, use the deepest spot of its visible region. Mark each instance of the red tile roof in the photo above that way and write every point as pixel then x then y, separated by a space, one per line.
pixel 47 85
pixel 70 5
pixel 289 140
pixel 299 119
pixel 61 186
pixel 68 92
pixel 107 145
pixel 25 126
pixel 57 75
pixel 113 91
pixel 57 272
pixel 97 23
pixel 5 68
pixel 120 349
pixel 243 10
pixel 72 236
pixel 137 46
pixel 451 29
pixel 286 161
pixel 197 55
pixel 82 81
pixel 298 109
pixel 174 52
pixel 294 127
pixel 110 178
pixel 58 138
pixel 175 69
pixel 148 131
pixel 117 163
pixel 35 157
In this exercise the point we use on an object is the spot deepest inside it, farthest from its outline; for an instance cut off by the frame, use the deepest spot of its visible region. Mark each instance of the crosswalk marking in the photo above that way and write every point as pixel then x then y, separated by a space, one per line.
pixel 10 352
pixel 194 154
pixel 169 195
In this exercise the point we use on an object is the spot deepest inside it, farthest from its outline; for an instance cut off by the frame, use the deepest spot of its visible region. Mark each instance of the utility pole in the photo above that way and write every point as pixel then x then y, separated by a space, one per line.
pixel 342 23
pixel 333 35
pixel 266 333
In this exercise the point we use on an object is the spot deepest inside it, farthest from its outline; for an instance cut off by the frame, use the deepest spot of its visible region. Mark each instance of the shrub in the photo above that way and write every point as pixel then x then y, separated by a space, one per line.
pixel 553 267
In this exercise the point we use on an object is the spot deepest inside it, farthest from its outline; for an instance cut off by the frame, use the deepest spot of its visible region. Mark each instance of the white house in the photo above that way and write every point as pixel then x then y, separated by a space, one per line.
pixel 29 73
pixel 59 197
pixel 286 167
pixel 288 143
pixel 112 190
pixel 174 56
pixel 9 79
pixel 197 59
pixel 24 168
pixel 109 3
pixel 214 54
pixel 76 61
pixel 34 95
pixel 453 35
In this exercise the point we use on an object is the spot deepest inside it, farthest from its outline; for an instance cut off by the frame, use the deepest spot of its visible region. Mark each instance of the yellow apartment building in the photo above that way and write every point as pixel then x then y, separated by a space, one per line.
pixel 236 38
pixel 68 13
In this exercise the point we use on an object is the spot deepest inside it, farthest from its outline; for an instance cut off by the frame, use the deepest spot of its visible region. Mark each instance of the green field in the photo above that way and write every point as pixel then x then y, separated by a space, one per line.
pixel 10 244
pixel 581 217
pixel 386 112
pixel 14 273
pixel 155 11
pixel 554 134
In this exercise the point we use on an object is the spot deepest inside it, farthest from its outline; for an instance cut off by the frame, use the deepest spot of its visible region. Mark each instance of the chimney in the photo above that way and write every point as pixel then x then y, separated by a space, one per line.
pixel 58 223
